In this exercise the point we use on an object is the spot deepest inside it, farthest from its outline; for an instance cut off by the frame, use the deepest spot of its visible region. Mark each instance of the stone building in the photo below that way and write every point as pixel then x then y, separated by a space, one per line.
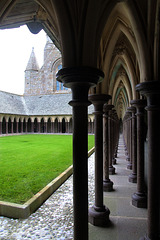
pixel 41 109
pixel 111 47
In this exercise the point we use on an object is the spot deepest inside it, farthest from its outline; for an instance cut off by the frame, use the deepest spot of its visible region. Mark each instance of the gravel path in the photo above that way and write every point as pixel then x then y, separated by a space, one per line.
pixel 53 220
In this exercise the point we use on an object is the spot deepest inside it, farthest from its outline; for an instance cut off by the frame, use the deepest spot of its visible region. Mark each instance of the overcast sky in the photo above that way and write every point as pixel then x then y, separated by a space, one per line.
pixel 15 49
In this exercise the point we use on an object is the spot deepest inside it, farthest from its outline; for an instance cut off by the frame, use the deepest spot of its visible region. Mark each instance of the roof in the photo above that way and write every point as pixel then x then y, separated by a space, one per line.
pixel 54 104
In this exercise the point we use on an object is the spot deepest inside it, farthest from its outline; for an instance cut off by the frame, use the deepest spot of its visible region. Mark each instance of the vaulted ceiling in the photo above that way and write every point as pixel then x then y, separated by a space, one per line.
pixel 115 36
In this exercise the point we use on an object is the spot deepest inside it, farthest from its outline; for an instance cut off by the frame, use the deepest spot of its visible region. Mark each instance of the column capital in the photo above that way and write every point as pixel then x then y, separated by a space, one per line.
pixel 151 90
pixel 98 101
pixel 107 107
pixel 139 103
pixel 127 115
pixel 79 79
pixel 79 75
pixel 132 110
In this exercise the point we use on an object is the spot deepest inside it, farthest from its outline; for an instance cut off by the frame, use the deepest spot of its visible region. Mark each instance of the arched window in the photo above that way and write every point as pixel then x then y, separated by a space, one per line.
pixel 59 86
pixel 59 66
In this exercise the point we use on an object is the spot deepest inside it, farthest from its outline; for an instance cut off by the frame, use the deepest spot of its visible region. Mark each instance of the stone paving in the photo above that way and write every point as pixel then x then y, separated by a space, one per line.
pixel 53 220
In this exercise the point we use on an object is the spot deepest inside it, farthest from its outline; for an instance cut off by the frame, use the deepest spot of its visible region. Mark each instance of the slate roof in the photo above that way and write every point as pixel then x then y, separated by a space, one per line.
pixel 55 104
pixel 11 103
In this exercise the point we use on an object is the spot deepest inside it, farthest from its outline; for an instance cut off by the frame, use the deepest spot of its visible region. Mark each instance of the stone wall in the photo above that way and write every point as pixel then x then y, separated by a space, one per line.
pixel 43 81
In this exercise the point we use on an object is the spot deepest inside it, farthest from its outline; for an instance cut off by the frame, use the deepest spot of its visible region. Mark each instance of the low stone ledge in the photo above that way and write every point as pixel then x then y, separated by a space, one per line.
pixel 13 210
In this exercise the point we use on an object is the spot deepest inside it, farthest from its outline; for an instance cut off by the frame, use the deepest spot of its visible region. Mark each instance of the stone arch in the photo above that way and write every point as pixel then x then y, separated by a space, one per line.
pixel 126 21
pixel 156 35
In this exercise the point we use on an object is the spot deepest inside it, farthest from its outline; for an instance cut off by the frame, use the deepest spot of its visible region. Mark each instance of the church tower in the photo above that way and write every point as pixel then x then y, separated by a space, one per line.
pixel 42 81
pixel 31 74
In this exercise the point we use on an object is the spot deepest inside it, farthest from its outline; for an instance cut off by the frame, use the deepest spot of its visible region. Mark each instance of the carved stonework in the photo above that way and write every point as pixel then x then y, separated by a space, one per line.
pixel 120 48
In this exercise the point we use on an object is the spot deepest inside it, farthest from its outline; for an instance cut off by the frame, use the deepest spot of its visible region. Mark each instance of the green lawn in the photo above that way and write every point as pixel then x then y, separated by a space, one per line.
pixel 29 162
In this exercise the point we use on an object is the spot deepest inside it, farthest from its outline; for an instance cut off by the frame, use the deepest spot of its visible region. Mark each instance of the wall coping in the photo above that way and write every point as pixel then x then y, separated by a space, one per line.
pixel 14 210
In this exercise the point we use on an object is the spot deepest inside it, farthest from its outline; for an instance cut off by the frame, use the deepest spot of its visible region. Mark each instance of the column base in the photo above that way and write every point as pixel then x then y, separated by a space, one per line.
pixel 107 185
pixel 99 216
pixel 132 178
pixel 114 161
pixel 139 200
pixel 129 166
pixel 111 170
pixel 128 159
pixel 145 238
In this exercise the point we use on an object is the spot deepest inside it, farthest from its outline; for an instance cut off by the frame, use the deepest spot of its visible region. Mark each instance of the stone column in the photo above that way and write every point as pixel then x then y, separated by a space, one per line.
pixel 133 175
pixel 115 136
pixel 127 116
pixel 26 129
pixel 113 129
pixel 152 92
pixel 16 127
pixel 80 79
pixel 139 199
pixel 0 127
pixel 110 149
pixel 11 127
pixel 6 127
pixel 21 127
pixel 52 127
pixel 32 127
pixel 107 183
pixel 129 165
pixel 46 127
pixel 125 134
pixel 98 213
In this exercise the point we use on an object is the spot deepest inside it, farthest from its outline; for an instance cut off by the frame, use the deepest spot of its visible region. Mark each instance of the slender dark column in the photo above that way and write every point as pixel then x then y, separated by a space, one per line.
pixel 38 128
pixel 16 127
pixel 107 183
pixel 152 91
pixel 80 79
pixel 32 127
pixel 129 165
pixel 139 199
pixel 133 175
pixel 21 127
pixel 6 127
pixel 125 134
pixel 110 149
pixel 0 127
pixel 113 136
pixel 99 214
pixel 46 127
pixel 127 130
pixel 11 127
pixel 26 129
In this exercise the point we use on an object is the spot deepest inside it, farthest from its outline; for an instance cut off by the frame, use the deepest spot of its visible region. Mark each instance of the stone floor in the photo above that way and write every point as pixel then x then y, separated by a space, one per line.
pixel 54 219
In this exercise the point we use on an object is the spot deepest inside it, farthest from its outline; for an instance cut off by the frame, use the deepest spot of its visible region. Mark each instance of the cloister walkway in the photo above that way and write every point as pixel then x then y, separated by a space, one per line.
pixel 54 219
pixel 127 221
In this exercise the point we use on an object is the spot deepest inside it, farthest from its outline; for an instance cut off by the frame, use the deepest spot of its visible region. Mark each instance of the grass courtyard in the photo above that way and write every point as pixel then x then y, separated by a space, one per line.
pixel 29 162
